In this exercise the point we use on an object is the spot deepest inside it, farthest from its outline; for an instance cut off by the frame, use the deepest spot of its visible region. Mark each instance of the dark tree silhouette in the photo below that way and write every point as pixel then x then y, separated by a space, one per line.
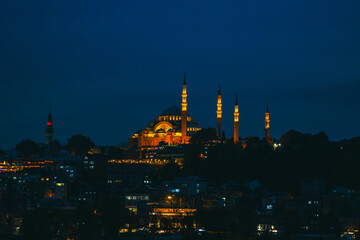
pixel 116 152
pixel 55 147
pixel 223 137
pixel 204 135
pixel 79 145
pixel 36 225
pixel 28 148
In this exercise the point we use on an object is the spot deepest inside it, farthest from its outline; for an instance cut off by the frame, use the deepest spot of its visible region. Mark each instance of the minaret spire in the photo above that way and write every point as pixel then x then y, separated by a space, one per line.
pixel 219 113
pixel 267 125
pixel 184 111
pixel 50 116
pixel 49 130
pixel 236 121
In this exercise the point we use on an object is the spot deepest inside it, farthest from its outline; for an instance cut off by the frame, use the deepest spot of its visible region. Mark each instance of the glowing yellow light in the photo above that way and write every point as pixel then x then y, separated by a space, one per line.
pixel 236 113
pixel 219 112
pixel 267 120
pixel 184 103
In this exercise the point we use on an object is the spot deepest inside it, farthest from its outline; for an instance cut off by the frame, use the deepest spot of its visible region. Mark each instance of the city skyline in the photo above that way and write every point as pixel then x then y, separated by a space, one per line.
pixel 228 123
pixel 179 120
pixel 106 74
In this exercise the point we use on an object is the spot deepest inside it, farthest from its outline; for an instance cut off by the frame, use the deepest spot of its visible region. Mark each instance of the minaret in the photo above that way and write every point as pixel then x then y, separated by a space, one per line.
pixel 236 121
pixel 49 131
pixel 267 124
pixel 183 110
pixel 219 114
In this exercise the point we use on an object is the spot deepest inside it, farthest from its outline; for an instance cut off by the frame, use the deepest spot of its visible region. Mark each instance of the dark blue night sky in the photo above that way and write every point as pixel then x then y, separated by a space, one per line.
pixel 109 67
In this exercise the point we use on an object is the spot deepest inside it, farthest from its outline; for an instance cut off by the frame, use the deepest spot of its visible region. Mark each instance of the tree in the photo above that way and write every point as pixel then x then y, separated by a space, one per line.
pixel 28 148
pixel 37 225
pixel 204 135
pixel 223 137
pixel 79 145
pixel 55 147
pixel 116 152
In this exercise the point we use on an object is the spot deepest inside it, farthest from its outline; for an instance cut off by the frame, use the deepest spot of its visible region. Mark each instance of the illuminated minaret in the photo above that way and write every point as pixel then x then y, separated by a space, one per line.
pixel 236 121
pixel 49 129
pixel 219 114
pixel 183 110
pixel 267 125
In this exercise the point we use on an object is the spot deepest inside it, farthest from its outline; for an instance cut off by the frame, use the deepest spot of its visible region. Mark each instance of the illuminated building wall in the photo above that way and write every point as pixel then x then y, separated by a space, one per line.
pixel 160 216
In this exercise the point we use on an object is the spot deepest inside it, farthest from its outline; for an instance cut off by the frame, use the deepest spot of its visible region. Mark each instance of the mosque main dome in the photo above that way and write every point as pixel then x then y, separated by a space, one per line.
pixel 173 110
